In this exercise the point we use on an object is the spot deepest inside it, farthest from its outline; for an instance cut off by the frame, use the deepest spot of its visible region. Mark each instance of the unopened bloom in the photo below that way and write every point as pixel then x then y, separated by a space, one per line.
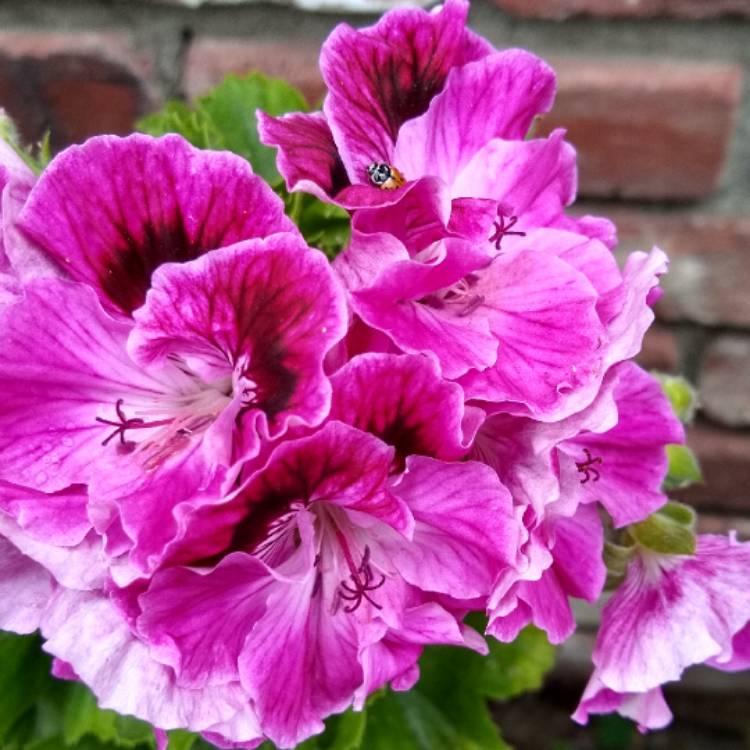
pixel 672 611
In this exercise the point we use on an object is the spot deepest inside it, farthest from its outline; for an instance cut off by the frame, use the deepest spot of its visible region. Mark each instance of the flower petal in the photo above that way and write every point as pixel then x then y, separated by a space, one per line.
pixel 114 209
pixel 308 159
pixel 267 309
pixel 403 401
pixel 62 358
pixel 198 620
pixel 25 590
pixel 629 460
pixel 86 630
pixel 494 97
pixel 672 613
pixel 464 532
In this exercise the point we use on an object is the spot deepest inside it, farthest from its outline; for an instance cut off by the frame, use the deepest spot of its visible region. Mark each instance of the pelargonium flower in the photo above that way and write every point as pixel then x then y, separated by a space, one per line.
pixel 612 453
pixel 320 578
pixel 671 611
pixel 226 351
pixel 427 97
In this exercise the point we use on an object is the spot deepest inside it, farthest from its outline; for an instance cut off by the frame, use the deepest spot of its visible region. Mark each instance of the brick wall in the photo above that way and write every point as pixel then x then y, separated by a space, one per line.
pixel 654 93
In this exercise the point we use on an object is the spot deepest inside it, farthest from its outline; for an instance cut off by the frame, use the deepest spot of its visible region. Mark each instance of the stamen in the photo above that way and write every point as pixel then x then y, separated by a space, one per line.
pixel 503 226
pixel 587 467
pixel 124 424
pixel 362 579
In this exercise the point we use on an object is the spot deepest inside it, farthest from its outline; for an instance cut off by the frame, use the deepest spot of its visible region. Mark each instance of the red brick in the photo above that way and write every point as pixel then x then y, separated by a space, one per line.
pixel 660 350
pixel 209 60
pixel 647 129
pixel 709 270
pixel 724 382
pixel 724 456
pixel 76 84
pixel 560 9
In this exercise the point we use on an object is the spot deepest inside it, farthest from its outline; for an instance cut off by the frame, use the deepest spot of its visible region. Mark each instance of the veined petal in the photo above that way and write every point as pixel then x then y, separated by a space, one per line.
pixel 464 532
pixel 533 180
pixel 671 612
pixel 300 662
pixel 86 630
pixel 264 311
pixel 403 401
pixel 543 314
pixel 114 209
pixel 623 467
pixel 25 590
pixel 494 97
pixel 308 159
pixel 382 76
pixel 57 518
pixel 198 620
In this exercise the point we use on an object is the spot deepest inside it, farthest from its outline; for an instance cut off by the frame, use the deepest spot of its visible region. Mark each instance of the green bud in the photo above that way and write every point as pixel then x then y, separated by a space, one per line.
pixel 669 531
pixel 681 395
pixel 683 468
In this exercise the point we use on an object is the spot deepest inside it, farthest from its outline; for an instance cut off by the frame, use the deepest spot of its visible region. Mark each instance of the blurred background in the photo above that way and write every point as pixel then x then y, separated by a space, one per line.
pixel 655 95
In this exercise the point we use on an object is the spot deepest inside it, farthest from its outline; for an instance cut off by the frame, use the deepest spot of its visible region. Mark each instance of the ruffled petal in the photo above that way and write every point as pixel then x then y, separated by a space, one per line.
pixel 649 710
pixel 198 620
pixel 114 209
pixel 57 518
pixel 495 97
pixel 464 532
pixel 403 401
pixel 86 630
pixel 382 76
pixel 624 467
pixel 543 314
pixel 672 612
pixel 264 312
pixel 308 159
pixel 25 590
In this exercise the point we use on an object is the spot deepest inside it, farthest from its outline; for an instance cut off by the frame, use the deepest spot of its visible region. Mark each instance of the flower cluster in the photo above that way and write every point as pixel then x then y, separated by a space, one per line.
pixel 242 487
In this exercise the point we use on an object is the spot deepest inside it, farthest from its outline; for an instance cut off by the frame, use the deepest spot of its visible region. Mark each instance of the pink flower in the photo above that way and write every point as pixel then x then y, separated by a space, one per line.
pixel 153 410
pixel 612 453
pixel 672 611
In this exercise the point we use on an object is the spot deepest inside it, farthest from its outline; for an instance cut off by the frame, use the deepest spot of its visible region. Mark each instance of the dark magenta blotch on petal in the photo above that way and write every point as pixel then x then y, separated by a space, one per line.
pixel 114 209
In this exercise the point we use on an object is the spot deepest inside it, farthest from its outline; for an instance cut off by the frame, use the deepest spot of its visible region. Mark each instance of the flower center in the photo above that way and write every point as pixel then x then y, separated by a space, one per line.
pixel 461 297
pixel 160 425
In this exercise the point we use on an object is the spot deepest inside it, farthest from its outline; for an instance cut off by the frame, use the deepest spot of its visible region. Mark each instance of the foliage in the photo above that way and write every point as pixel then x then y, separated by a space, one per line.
pixel 447 710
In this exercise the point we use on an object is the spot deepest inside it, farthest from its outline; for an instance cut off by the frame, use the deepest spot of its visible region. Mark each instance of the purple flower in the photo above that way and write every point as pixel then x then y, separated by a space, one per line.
pixel 671 611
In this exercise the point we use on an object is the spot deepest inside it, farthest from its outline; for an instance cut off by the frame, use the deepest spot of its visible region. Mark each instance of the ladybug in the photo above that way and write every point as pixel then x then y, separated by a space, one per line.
pixel 385 176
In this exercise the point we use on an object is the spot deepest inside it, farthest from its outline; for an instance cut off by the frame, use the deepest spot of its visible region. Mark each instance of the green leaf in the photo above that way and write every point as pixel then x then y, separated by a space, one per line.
pixel 669 531
pixel 683 468
pixel 231 107
pixel 323 225
pixel 193 125
pixel 448 707
pixel 225 118
pixel 681 395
